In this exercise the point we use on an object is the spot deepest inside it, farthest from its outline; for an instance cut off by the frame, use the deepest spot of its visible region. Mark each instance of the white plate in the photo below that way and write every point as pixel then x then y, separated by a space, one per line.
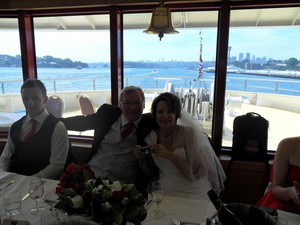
pixel 51 197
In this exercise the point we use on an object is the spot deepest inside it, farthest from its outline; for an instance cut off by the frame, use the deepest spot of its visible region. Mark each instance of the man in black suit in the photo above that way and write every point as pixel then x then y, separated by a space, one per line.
pixel 111 154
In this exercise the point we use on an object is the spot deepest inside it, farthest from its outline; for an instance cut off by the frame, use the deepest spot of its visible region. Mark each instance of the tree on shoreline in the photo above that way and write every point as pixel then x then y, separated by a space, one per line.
pixel 42 62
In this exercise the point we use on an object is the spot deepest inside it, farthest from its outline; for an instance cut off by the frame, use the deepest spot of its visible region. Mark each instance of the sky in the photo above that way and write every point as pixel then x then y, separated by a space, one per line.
pixel 93 46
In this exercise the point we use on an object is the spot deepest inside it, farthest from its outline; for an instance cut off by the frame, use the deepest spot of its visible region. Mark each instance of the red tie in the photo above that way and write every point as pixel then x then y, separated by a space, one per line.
pixel 31 131
pixel 127 129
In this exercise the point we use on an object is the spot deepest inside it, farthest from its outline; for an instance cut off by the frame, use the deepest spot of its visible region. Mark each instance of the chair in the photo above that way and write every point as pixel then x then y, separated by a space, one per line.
pixel 55 106
pixel 246 181
pixel 86 105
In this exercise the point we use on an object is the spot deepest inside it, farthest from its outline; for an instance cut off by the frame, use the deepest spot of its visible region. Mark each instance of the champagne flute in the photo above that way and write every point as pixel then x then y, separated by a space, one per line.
pixel 36 191
pixel 157 194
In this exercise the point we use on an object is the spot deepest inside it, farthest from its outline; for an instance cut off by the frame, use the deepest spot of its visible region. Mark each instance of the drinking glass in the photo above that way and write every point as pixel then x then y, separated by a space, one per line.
pixel 12 204
pixel 36 191
pixel 157 194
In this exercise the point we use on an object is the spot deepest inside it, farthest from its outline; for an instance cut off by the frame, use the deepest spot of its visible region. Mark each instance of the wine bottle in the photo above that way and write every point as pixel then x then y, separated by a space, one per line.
pixel 226 217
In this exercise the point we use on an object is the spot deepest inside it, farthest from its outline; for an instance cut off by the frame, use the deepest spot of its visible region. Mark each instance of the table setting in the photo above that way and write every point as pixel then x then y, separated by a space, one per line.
pixel 19 190
pixel 59 199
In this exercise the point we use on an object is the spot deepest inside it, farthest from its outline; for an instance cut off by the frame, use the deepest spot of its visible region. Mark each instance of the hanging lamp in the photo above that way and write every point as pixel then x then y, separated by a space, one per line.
pixel 161 22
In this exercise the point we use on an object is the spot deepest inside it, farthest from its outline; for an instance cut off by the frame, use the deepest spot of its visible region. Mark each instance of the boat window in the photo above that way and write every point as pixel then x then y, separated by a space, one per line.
pixel 73 60
pixel 263 71
pixel 176 62
pixel 11 77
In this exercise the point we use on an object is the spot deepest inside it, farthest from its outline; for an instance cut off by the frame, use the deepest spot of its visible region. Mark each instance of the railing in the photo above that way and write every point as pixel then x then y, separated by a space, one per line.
pixel 269 85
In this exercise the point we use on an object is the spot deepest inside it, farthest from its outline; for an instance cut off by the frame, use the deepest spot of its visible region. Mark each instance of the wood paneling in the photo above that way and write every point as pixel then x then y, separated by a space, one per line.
pixel 246 182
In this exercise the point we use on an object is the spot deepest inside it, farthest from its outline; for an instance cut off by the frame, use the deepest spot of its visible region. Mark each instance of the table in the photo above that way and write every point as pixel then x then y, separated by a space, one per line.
pixel 21 185
pixel 183 209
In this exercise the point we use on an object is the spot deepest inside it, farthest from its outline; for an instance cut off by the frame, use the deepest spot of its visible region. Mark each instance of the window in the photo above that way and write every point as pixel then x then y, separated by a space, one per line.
pixel 11 78
pixel 263 71
pixel 172 64
pixel 73 59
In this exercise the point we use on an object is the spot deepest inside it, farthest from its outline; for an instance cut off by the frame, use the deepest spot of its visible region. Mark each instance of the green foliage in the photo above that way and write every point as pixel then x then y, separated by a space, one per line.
pixel 42 62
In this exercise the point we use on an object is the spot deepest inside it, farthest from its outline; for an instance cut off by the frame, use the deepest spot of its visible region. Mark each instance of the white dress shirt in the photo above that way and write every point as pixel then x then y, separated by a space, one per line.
pixel 114 158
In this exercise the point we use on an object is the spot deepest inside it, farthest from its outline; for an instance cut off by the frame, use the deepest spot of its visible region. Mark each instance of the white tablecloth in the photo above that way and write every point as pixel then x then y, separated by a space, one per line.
pixel 21 185
pixel 183 209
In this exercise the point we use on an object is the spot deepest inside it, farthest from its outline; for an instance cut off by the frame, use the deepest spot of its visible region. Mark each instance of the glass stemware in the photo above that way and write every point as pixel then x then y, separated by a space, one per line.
pixel 36 191
pixel 157 194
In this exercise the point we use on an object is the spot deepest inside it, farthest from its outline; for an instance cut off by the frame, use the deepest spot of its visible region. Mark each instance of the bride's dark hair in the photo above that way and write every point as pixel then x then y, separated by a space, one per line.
pixel 172 101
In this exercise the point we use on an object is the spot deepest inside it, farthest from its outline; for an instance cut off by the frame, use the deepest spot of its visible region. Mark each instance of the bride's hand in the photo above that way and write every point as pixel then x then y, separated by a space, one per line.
pixel 160 151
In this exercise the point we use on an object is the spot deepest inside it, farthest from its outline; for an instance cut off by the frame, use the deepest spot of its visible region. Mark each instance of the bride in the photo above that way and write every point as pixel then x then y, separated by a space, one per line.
pixel 188 166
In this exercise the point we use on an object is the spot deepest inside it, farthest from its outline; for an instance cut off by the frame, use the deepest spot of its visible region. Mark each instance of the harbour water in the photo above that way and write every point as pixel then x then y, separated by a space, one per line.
pixel 70 82
pixel 69 79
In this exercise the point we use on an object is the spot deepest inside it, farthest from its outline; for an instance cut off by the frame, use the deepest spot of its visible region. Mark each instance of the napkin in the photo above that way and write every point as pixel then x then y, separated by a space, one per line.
pixel 5 175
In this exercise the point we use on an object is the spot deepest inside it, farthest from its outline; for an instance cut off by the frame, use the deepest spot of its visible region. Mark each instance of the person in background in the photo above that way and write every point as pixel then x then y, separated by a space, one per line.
pixel 38 143
pixel 284 187
pixel 116 131
pixel 188 166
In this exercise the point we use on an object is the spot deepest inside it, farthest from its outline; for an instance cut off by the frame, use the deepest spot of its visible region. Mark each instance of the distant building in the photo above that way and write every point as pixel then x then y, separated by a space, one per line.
pixel 248 56
pixel 241 57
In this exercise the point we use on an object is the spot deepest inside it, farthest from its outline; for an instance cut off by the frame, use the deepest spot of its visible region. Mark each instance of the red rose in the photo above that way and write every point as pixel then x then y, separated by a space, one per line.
pixel 58 189
pixel 72 168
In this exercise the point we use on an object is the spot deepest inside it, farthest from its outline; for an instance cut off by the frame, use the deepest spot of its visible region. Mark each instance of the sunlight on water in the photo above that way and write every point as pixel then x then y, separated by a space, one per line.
pixel 69 79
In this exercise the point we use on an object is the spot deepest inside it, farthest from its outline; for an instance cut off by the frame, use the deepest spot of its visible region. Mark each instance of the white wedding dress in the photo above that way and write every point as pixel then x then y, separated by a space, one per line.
pixel 205 170
pixel 176 184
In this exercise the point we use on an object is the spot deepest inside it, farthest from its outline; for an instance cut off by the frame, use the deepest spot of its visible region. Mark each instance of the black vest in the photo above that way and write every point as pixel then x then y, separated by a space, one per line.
pixel 33 155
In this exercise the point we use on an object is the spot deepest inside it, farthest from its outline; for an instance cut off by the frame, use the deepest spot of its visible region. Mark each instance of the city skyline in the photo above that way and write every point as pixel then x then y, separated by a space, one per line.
pixel 278 43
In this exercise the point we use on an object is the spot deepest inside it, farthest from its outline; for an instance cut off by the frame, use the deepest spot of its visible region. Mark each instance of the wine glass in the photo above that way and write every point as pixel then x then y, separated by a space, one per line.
pixel 157 194
pixel 36 191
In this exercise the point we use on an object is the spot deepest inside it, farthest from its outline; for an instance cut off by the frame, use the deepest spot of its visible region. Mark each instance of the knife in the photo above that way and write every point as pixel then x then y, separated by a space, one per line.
pixel 7 185
pixel 27 195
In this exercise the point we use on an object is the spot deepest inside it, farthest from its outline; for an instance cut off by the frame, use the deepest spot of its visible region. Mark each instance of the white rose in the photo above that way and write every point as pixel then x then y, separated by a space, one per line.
pixel 106 206
pixel 116 186
pixel 77 201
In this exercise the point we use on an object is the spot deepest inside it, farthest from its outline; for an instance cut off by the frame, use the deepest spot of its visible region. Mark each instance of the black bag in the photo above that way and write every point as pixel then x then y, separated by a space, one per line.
pixel 249 143
pixel 250 138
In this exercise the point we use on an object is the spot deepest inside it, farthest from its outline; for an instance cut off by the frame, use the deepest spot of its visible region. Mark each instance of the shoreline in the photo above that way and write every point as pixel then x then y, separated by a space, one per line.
pixel 265 73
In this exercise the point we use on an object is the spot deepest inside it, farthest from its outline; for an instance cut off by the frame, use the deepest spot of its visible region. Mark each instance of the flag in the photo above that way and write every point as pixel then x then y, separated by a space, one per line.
pixel 200 69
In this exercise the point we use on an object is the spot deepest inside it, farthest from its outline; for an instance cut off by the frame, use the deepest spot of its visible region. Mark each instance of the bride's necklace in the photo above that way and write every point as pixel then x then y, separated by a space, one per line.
pixel 169 137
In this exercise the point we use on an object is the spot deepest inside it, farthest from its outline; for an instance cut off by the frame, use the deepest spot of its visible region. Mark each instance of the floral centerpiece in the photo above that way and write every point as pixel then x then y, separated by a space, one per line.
pixel 107 203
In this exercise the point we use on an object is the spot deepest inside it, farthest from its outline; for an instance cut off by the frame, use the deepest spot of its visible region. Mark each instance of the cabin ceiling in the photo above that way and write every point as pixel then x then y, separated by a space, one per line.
pixel 39 4
pixel 289 16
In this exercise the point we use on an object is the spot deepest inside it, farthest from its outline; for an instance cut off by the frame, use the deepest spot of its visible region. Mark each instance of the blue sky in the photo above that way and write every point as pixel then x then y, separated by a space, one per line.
pixel 93 46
